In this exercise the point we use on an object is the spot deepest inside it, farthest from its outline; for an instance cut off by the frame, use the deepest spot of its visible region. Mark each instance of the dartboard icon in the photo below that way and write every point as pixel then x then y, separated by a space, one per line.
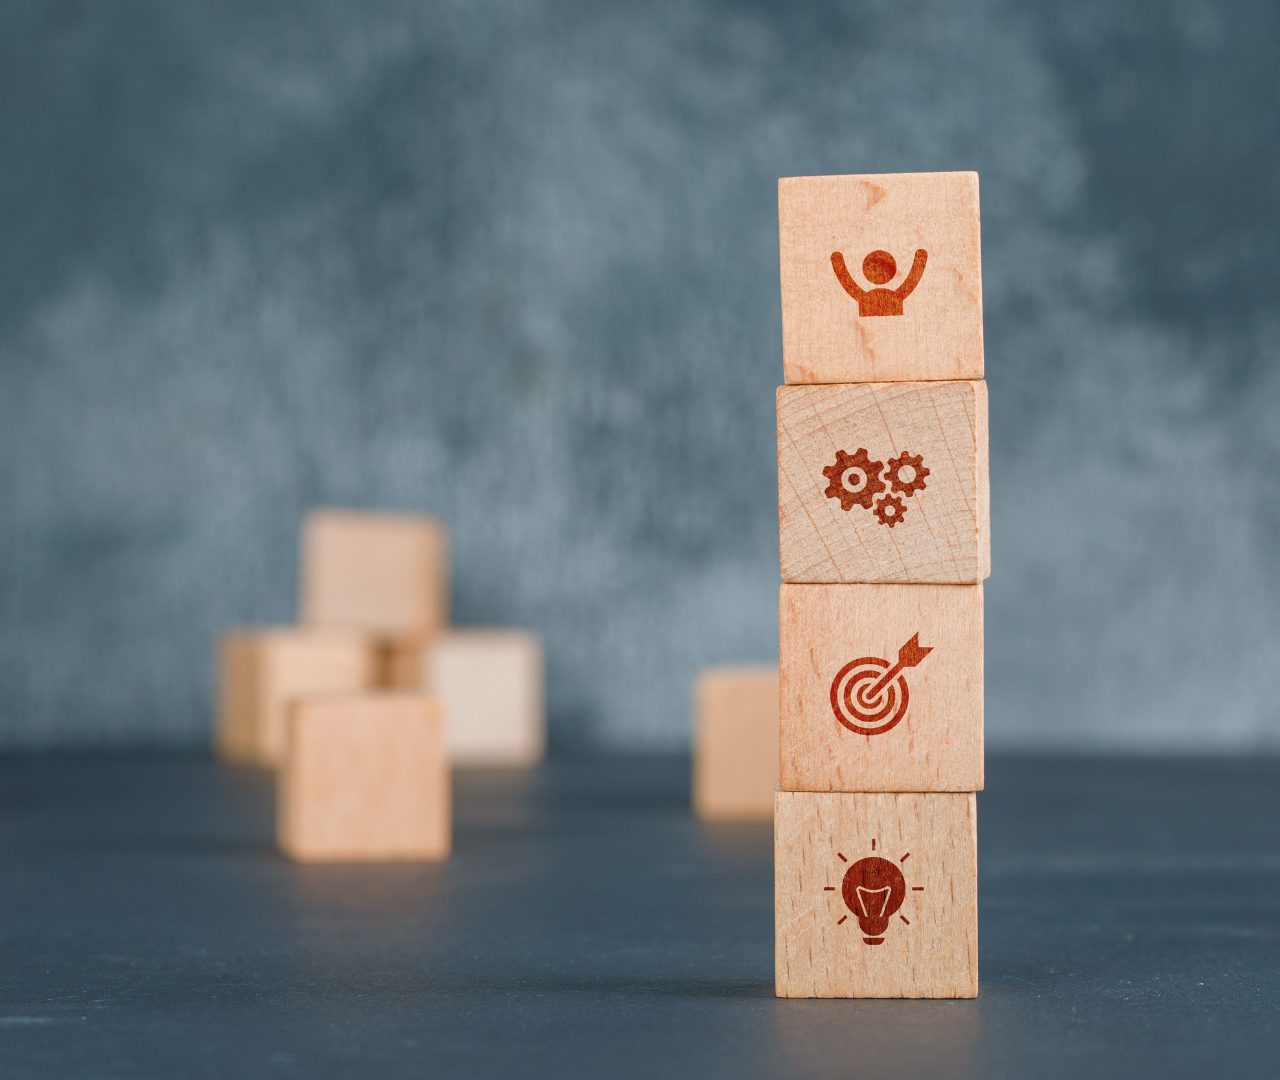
pixel 869 695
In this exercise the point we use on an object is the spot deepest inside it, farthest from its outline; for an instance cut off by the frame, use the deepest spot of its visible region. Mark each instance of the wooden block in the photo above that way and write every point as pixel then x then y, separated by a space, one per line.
pixel 401 662
pixel 735 743
pixel 490 684
pixel 261 671
pixel 881 277
pixel 881 687
pixel 365 778
pixel 875 895
pixel 884 482
pixel 386 573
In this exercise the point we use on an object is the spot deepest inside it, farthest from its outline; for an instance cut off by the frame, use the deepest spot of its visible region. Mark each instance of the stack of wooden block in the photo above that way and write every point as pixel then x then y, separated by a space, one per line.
pixel 884 510
pixel 367 702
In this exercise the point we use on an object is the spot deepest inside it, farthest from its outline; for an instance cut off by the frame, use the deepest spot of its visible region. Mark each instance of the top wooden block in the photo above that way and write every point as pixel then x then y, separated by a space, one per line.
pixel 383 573
pixel 881 277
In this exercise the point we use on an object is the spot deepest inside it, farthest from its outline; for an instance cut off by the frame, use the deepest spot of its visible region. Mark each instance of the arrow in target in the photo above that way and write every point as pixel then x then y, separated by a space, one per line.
pixel 908 656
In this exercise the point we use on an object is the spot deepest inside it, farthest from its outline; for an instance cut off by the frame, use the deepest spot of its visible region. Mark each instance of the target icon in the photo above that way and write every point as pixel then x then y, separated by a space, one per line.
pixel 869 695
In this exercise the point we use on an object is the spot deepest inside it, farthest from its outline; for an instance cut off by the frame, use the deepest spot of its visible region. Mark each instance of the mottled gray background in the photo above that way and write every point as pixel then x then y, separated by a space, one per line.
pixel 516 264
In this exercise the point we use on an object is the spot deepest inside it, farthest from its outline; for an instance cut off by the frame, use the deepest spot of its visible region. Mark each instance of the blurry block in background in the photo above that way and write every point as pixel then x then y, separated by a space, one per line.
pixel 384 573
pixel 400 663
pixel 260 671
pixel 490 685
pixel 365 778
pixel 735 743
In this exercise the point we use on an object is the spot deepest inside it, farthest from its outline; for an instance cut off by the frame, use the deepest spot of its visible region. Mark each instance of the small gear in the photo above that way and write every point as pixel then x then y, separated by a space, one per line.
pixel 916 483
pixel 866 473
pixel 890 510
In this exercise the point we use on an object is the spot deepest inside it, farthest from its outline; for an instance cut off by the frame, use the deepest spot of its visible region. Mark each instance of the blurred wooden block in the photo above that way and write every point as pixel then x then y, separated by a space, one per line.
pixel 385 573
pixel 365 778
pixel 828 227
pixel 490 684
pixel 875 895
pixel 881 687
pixel 261 671
pixel 735 743
pixel 884 482
pixel 401 661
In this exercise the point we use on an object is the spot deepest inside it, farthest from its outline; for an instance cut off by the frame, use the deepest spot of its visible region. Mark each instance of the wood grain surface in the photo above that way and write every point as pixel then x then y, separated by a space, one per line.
pixel 825 337
pixel 942 534
pixel 929 946
pixel 933 741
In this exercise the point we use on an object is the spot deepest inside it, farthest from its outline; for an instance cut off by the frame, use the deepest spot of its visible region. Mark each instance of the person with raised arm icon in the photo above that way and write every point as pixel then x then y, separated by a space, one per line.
pixel 879 269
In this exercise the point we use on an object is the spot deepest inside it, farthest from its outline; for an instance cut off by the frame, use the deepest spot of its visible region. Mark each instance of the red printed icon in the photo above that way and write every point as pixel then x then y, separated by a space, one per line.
pixel 855 480
pixel 867 698
pixel 906 473
pixel 889 510
pixel 879 268
pixel 873 889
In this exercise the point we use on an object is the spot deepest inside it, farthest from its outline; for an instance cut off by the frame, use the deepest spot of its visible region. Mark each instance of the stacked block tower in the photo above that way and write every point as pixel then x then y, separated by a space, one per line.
pixel 884 516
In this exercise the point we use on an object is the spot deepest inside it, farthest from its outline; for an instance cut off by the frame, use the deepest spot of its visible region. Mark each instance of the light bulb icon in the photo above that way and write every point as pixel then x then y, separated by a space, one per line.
pixel 873 890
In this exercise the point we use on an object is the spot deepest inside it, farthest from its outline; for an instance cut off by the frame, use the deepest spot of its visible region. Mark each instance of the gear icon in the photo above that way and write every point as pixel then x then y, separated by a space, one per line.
pixel 855 479
pixel 890 510
pixel 916 464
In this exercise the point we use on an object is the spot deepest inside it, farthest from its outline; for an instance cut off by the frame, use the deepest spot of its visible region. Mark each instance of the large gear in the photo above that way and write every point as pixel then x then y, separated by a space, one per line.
pixel 861 493
pixel 916 483
pixel 890 510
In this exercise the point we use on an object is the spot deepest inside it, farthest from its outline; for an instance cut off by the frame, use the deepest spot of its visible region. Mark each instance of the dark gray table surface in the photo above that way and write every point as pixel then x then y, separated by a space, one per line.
pixel 587 925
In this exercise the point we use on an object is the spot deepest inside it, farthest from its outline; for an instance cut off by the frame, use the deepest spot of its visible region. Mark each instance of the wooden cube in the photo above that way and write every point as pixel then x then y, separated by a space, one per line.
pixel 365 778
pixel 401 662
pixel 491 686
pixel 881 277
pixel 884 482
pixel 875 895
pixel 735 743
pixel 881 687
pixel 261 671
pixel 385 573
